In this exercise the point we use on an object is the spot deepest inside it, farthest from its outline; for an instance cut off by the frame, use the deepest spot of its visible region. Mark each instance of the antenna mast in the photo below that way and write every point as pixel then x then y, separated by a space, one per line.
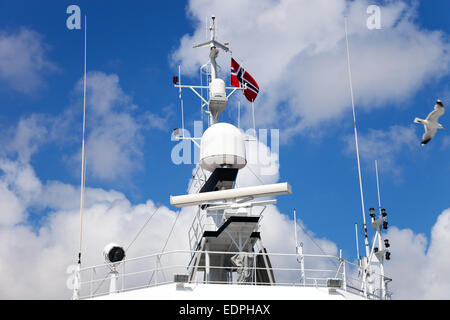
pixel 378 187
pixel 366 241
pixel 83 169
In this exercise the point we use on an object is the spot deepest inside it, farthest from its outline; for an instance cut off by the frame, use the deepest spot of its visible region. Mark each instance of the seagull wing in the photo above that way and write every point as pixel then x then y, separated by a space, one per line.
pixel 435 114
pixel 428 135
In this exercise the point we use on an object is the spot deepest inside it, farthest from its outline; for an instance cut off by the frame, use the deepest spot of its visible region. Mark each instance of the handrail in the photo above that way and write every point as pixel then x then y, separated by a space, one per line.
pixel 285 274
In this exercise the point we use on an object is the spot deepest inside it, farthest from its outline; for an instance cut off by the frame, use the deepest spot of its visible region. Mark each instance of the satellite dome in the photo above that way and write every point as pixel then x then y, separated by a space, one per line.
pixel 222 145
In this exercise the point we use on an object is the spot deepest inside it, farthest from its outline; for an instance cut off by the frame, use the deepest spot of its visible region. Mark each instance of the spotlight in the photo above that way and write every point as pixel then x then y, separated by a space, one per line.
pixel 388 255
pixel 383 212
pixel 386 243
pixel 113 253
pixel 372 213
pixel 385 225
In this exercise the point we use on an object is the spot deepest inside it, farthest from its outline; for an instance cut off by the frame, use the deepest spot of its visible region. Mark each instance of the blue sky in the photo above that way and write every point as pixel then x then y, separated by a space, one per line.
pixel 399 72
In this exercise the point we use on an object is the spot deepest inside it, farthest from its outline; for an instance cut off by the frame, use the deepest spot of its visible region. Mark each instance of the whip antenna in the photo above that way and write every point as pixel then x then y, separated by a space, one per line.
pixel 366 241
pixel 83 154
pixel 83 170
pixel 378 186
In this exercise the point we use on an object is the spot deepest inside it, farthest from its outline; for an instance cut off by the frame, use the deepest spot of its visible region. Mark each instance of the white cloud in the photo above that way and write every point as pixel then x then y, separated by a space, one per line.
pixel 34 264
pixel 34 261
pixel 296 52
pixel 385 145
pixel 113 134
pixel 23 140
pixel 420 271
pixel 23 60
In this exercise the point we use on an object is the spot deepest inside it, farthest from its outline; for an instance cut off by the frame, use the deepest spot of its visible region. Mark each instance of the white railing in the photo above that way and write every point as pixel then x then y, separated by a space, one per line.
pixel 160 268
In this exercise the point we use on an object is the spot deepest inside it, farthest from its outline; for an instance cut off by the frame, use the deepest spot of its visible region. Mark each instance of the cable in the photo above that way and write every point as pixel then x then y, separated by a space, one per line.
pixel 165 244
pixel 304 230
pixel 154 212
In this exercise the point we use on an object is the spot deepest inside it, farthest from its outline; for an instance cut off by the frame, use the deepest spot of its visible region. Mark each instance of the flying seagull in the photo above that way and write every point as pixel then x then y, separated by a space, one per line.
pixel 430 123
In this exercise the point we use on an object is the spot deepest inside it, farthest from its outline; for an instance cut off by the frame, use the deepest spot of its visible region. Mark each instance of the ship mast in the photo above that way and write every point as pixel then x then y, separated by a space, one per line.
pixel 224 236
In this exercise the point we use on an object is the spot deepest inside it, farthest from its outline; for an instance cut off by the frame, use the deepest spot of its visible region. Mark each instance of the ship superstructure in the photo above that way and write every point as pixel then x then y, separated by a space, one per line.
pixel 227 258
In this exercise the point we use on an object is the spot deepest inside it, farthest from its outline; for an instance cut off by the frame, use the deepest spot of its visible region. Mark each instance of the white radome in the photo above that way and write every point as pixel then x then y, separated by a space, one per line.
pixel 217 88
pixel 222 145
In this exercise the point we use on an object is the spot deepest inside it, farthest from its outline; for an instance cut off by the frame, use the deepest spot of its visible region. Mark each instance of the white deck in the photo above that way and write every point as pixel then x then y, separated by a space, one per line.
pixel 202 291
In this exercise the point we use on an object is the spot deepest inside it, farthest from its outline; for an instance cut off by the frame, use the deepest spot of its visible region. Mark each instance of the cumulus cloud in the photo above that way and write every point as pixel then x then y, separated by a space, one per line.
pixel 113 136
pixel 35 261
pixel 23 140
pixel 296 52
pixel 114 133
pixel 377 144
pixel 23 60
pixel 419 265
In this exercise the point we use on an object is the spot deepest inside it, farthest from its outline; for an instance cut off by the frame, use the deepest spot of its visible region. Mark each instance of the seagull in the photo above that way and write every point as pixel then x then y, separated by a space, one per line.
pixel 430 123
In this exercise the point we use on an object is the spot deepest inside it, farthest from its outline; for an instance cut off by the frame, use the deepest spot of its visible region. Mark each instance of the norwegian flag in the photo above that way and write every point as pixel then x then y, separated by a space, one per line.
pixel 241 77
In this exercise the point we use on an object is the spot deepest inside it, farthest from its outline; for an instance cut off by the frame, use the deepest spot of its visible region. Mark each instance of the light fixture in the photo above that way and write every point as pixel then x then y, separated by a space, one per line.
pixel 113 253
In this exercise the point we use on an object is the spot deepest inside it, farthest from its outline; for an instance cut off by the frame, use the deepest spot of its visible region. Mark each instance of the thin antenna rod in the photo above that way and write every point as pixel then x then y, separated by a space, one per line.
pixel 179 79
pixel 83 155
pixel 253 116
pixel 182 117
pixel 357 243
pixel 366 241
pixel 378 187
pixel 295 229
pixel 239 114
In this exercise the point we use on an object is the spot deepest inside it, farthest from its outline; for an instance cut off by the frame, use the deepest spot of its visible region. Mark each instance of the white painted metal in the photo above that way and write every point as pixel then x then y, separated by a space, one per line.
pixel 288 286
pixel 222 145
pixel 232 292
pixel 253 192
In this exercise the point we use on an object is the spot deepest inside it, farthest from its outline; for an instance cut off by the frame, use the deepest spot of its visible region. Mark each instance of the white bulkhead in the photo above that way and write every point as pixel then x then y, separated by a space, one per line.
pixel 222 145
